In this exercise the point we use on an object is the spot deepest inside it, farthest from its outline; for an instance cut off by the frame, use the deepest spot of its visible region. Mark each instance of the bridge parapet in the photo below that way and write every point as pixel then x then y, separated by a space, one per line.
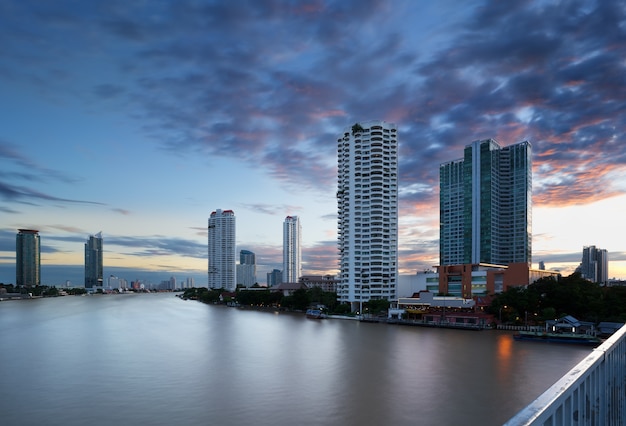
pixel 591 393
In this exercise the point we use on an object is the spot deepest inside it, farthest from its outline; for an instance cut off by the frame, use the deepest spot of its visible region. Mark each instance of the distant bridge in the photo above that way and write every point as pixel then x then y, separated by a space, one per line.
pixel 591 393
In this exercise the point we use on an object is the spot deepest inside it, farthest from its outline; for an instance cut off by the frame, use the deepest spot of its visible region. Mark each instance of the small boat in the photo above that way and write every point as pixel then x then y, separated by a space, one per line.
pixel 555 337
pixel 315 314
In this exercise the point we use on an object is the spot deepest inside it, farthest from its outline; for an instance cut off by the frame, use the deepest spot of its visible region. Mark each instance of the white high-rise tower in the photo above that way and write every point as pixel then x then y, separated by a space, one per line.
pixel 246 270
pixel 292 253
pixel 367 198
pixel 222 265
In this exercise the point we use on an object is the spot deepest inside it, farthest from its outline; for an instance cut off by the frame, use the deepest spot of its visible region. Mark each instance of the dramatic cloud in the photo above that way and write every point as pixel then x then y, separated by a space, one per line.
pixel 212 76
pixel 158 245
pixel 11 159
pixel 12 192
pixel 271 209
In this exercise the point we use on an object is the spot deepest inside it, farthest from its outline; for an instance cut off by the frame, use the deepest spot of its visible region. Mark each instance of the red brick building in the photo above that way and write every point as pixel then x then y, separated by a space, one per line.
pixel 470 280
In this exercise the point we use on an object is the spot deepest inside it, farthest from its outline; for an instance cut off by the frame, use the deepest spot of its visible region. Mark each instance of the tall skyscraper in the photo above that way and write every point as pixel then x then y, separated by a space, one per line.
pixel 93 261
pixel 292 252
pixel 367 198
pixel 485 205
pixel 246 270
pixel 222 266
pixel 595 265
pixel 27 258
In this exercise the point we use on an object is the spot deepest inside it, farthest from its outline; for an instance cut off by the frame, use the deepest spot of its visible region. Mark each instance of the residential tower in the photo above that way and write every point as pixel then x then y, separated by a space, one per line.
pixel 27 258
pixel 292 252
pixel 485 205
pixel 367 197
pixel 222 266
pixel 93 261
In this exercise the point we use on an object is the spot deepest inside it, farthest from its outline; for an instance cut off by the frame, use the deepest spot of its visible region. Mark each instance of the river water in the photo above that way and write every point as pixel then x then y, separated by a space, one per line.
pixel 154 359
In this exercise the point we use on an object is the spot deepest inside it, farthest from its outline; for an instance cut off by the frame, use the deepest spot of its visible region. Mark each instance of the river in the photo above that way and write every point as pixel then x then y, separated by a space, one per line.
pixel 154 359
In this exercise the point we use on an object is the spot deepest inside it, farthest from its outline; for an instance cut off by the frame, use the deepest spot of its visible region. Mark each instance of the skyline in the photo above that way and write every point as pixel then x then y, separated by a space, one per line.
pixel 139 120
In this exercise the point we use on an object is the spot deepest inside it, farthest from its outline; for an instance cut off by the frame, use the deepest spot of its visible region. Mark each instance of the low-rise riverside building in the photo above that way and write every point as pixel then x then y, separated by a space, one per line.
pixel 471 280
pixel 288 288
pixel 325 282
pixel 481 279
pixel 426 308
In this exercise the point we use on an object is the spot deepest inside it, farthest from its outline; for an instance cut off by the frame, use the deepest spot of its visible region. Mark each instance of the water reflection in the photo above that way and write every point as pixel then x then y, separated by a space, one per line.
pixel 159 360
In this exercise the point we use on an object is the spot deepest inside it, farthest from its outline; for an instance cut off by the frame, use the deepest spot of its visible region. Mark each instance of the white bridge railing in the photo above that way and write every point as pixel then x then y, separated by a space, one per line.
pixel 591 393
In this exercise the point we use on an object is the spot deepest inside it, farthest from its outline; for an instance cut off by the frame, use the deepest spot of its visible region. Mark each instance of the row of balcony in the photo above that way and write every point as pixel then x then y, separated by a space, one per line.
pixel 367 204
pixel 391 160
pixel 372 137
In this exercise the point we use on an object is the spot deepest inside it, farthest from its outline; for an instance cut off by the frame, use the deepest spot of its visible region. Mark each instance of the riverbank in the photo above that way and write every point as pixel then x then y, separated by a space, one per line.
pixel 16 296
pixel 430 324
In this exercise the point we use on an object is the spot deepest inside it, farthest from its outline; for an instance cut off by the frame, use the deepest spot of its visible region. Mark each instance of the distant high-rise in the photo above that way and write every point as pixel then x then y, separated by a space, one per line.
pixel 93 261
pixel 595 265
pixel 116 282
pixel 27 258
pixel 367 197
pixel 274 278
pixel 485 205
pixel 222 266
pixel 246 270
pixel 247 257
pixel 189 282
pixel 292 252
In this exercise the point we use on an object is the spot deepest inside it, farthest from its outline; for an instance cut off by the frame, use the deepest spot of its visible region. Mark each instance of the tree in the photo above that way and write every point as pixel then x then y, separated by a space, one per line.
pixel 202 294
pixel 376 306
pixel 51 291
pixel 301 299
pixel 342 309
pixel 573 295
pixel 357 128
pixel 10 288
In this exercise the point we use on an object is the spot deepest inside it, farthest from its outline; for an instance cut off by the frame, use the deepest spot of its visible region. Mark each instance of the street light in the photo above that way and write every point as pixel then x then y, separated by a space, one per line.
pixel 501 312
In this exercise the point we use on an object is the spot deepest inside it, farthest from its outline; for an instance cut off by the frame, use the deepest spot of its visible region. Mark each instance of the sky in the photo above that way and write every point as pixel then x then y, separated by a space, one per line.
pixel 137 119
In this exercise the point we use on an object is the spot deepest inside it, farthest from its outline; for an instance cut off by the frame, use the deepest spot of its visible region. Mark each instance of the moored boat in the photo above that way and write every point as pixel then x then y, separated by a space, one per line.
pixel 556 337
pixel 315 314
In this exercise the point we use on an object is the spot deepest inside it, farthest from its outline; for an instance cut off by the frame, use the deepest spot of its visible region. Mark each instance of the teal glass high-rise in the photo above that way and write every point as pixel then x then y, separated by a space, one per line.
pixel 93 262
pixel 486 205
pixel 27 258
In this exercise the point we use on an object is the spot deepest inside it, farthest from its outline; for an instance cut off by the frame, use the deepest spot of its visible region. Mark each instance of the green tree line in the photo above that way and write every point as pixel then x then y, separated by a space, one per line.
pixel 548 298
pixel 300 300
pixel 40 290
